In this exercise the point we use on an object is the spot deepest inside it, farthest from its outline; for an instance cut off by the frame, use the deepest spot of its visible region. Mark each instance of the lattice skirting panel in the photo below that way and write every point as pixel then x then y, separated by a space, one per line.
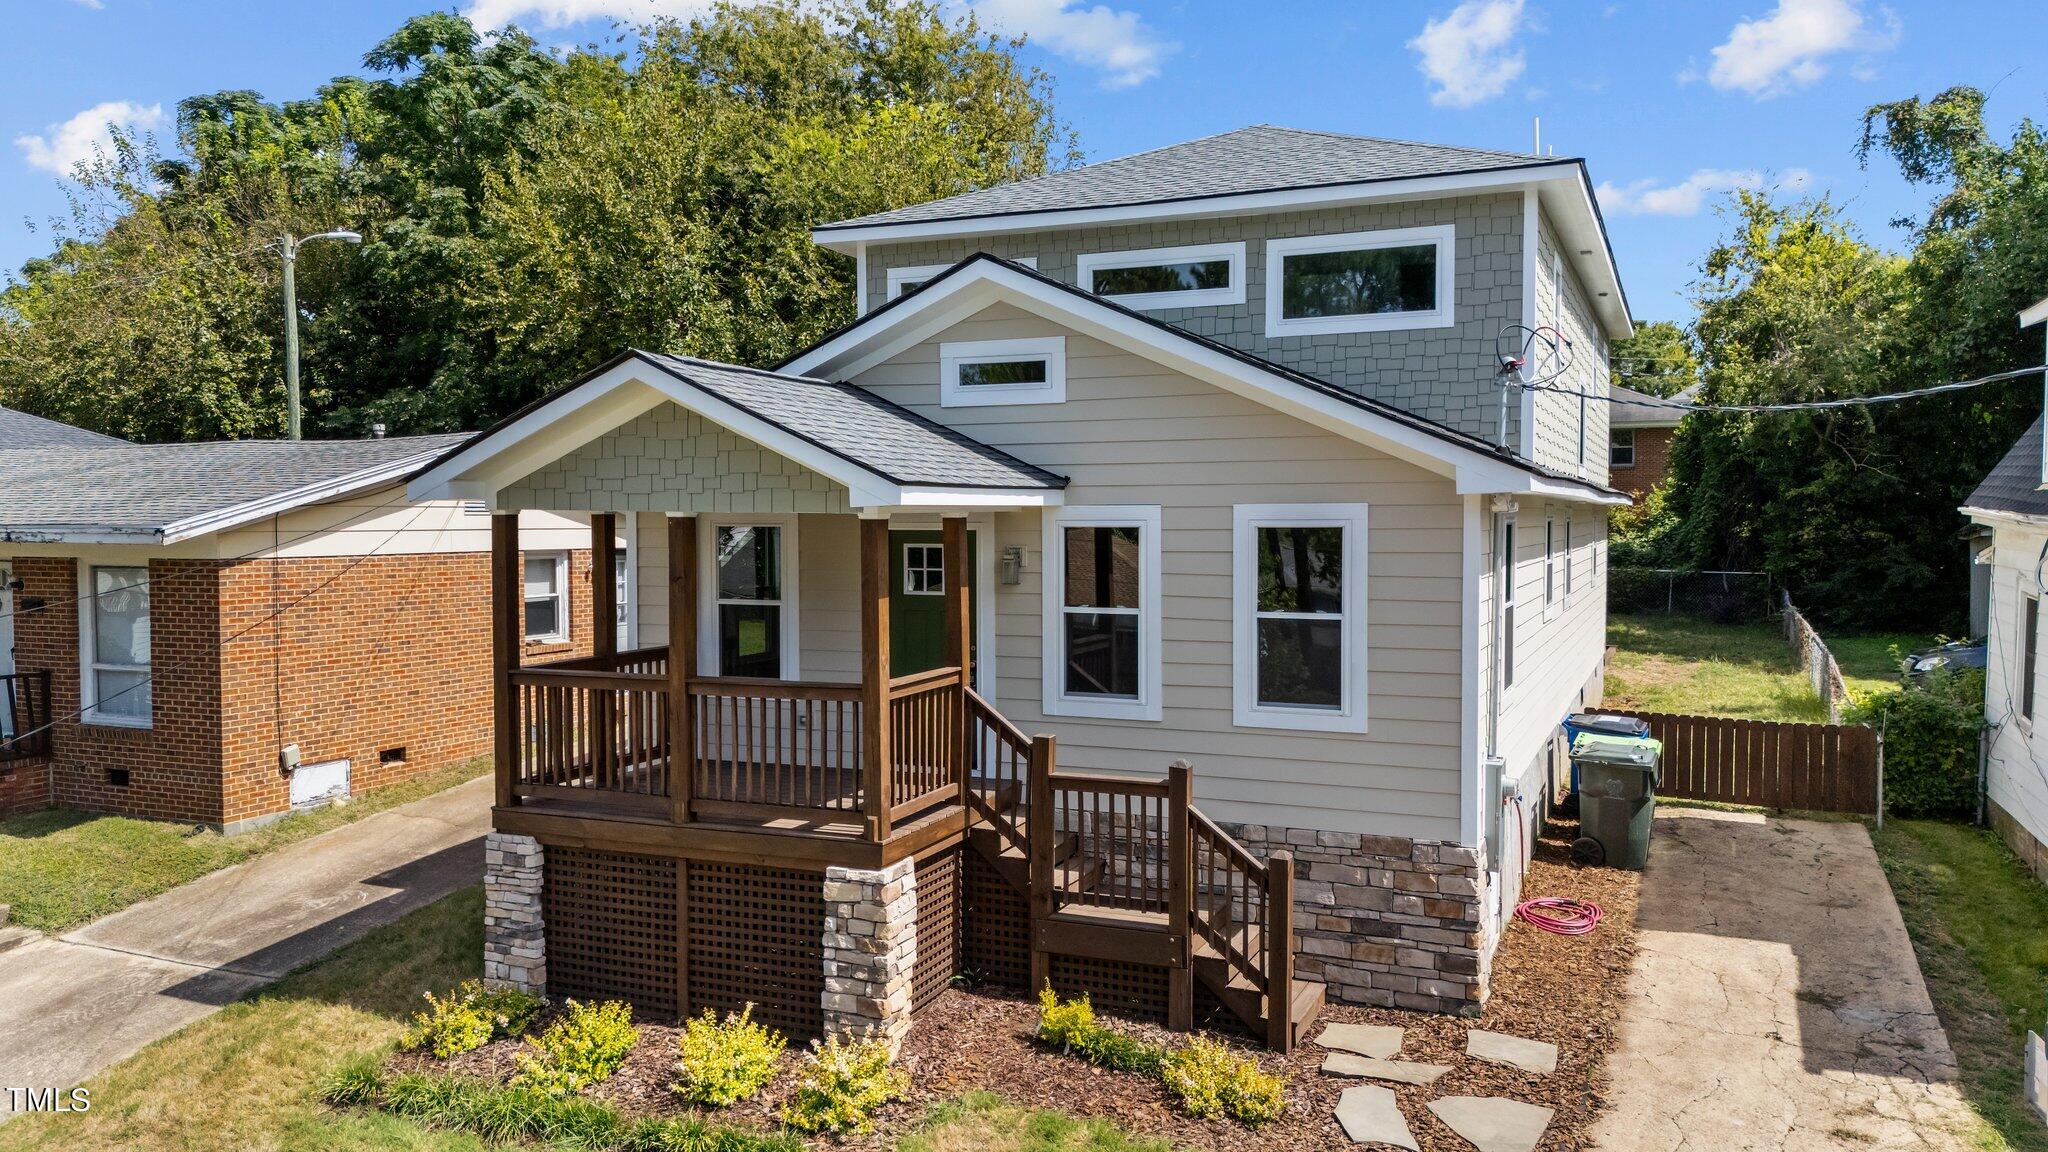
pixel 1135 990
pixel 611 928
pixel 995 925
pixel 757 936
pixel 938 925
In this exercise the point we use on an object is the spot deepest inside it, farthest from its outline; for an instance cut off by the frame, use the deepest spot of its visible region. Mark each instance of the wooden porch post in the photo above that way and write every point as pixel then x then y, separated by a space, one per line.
pixel 1180 900
pixel 682 657
pixel 959 641
pixel 877 752
pixel 505 611
pixel 604 642
pixel 1040 843
pixel 1280 951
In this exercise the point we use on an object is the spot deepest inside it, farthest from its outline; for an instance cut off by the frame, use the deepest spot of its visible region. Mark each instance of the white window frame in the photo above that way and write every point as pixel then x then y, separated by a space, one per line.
pixel 1567 557
pixel 1444 236
pixel 900 278
pixel 1618 465
pixel 1151 664
pixel 1247 711
pixel 89 667
pixel 940 548
pixel 952 355
pixel 1088 263
pixel 561 597
pixel 1551 601
pixel 1508 568
pixel 707 588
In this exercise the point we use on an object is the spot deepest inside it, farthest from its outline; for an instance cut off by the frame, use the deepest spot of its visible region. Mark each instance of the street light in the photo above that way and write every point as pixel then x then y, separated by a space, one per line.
pixel 288 247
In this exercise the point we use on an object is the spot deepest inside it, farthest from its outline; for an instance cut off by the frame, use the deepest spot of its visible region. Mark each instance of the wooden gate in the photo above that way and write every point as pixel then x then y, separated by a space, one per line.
pixel 1765 763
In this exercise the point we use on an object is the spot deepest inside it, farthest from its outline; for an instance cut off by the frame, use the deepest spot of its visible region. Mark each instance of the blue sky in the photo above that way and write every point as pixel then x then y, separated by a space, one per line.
pixel 1671 103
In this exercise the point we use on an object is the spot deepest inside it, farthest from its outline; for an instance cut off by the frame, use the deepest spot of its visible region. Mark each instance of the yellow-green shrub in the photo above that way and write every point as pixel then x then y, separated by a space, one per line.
pixel 584 1047
pixel 467 1019
pixel 722 1063
pixel 1211 1080
pixel 1071 1027
pixel 844 1084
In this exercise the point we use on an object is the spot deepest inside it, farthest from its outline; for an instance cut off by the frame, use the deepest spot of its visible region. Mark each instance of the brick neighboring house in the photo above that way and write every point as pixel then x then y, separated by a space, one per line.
pixel 1639 439
pixel 179 617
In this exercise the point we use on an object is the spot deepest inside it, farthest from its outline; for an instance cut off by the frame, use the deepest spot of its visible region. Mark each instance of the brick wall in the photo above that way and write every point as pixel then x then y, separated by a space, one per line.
pixel 1653 462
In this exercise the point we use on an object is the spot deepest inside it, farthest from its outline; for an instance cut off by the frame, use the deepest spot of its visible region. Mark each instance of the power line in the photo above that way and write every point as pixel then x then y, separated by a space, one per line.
pixel 1796 406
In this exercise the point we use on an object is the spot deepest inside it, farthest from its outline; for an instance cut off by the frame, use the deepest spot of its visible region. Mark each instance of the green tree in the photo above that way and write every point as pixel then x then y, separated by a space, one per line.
pixel 1657 359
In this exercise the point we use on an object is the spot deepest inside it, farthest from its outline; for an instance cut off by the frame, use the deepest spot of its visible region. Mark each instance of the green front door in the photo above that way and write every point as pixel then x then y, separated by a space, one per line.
pixel 917 601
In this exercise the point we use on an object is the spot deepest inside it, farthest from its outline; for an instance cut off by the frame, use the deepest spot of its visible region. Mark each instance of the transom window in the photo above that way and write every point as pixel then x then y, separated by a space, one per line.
pixel 924 569
pixel 547 596
pixel 1028 371
pixel 1300 596
pixel 1621 448
pixel 1190 276
pixel 1102 608
pixel 1360 281
pixel 749 600
pixel 120 644
pixel 911 278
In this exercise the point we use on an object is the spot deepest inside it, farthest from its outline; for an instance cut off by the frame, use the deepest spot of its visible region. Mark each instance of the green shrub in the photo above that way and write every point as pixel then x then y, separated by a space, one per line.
pixel 1211 1080
pixel 844 1085
pixel 467 1019
pixel 1930 743
pixel 502 1116
pixel 584 1047
pixel 1071 1027
pixel 721 1064
pixel 688 1134
pixel 358 1082
pixel 1064 1025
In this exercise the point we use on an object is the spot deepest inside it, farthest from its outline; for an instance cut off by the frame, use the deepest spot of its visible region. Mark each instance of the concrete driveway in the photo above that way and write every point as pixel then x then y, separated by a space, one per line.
pixel 74 1004
pixel 1775 1002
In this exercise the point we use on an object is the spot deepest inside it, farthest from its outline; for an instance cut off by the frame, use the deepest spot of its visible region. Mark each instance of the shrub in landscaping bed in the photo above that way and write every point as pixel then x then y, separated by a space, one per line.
pixel 1930 743
pixel 467 1019
pixel 721 1063
pixel 583 1048
pixel 1206 1076
pixel 844 1084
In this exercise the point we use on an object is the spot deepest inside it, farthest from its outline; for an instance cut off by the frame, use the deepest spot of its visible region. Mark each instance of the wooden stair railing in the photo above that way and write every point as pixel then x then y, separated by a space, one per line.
pixel 25 705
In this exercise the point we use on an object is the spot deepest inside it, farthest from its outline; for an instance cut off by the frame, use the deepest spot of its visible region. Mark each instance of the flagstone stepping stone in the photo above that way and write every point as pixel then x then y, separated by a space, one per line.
pixel 1492 1124
pixel 1499 1047
pixel 1399 1071
pixel 1378 1041
pixel 1370 1116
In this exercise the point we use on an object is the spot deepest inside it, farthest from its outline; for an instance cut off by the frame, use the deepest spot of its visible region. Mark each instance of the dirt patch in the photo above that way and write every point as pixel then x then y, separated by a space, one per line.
pixel 1567 991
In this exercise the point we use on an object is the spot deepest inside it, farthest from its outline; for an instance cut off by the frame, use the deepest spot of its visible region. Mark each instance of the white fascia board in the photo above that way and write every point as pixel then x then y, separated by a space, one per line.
pixel 226 518
pixel 80 535
pixel 1992 517
pixel 1578 222
pixel 926 498
pixel 2034 315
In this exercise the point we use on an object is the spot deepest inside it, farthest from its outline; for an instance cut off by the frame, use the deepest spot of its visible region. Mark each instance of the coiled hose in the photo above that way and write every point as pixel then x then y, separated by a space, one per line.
pixel 1560 915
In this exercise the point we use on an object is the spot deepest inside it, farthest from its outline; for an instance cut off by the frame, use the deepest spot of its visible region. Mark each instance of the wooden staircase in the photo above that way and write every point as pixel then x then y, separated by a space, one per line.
pixel 1128 871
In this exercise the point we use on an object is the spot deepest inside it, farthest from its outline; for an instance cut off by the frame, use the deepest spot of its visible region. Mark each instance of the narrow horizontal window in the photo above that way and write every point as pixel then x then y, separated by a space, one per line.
pixel 995 373
pixel 913 277
pixel 1363 281
pixel 1027 371
pixel 1209 274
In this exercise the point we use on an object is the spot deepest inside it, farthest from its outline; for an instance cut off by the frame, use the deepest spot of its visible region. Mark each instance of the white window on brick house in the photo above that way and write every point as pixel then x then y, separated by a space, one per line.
pixel 1621 448
pixel 118 648
pixel 547 597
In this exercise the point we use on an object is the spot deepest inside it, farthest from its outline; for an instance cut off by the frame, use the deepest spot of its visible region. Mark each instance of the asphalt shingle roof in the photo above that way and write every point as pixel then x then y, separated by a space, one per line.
pixel 21 430
pixel 1632 408
pixel 1261 158
pixel 122 487
pixel 859 426
pixel 2014 484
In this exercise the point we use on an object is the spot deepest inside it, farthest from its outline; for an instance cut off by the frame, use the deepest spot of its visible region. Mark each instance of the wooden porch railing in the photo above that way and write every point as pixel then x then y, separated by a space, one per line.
pixel 766 746
pixel 927 743
pixel 25 710
pixel 1243 909
pixel 999 757
pixel 590 735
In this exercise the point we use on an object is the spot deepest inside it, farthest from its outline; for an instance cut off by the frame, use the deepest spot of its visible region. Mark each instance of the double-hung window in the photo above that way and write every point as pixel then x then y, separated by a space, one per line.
pixel 1504 560
pixel 120 645
pixel 2029 649
pixel 1185 277
pixel 1360 281
pixel 1567 559
pixel 1298 576
pixel 753 600
pixel 1026 371
pixel 1102 644
pixel 1549 565
pixel 1621 448
pixel 547 597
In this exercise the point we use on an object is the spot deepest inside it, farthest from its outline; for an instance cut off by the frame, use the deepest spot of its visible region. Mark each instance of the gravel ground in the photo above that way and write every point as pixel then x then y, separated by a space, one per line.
pixel 1564 990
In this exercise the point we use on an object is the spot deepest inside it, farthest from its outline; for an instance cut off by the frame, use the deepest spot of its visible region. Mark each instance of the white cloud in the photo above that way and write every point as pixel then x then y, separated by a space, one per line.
pixel 95 5
pixel 1467 55
pixel 1790 47
pixel 494 14
pixel 1688 196
pixel 86 135
pixel 1117 42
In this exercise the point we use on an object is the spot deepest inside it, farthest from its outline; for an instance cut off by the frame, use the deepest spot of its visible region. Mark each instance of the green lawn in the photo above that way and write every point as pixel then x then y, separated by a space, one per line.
pixel 1979 924
pixel 61 867
pixel 1683 664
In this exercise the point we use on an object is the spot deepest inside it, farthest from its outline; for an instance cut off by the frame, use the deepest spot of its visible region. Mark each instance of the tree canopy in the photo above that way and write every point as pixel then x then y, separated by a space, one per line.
pixel 526 214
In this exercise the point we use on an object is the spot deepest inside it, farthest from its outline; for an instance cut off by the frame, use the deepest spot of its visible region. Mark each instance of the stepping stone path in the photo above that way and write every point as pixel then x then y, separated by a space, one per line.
pixel 1500 1048
pixel 1370 1115
pixel 1400 1071
pixel 1491 1124
pixel 1375 1040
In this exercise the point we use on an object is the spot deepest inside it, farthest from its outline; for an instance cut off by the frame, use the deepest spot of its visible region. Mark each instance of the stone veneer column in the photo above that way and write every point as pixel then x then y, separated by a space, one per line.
pixel 515 943
pixel 870 950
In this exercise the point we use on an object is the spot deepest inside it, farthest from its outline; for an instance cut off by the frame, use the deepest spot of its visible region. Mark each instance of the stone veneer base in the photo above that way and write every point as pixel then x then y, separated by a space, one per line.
pixel 870 950
pixel 515 941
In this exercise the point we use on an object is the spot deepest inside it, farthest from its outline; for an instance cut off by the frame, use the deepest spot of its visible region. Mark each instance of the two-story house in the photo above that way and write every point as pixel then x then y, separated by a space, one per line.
pixel 1209 455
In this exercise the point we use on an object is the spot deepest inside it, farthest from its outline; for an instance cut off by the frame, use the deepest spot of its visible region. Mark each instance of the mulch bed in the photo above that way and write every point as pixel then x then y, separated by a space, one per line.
pixel 1566 990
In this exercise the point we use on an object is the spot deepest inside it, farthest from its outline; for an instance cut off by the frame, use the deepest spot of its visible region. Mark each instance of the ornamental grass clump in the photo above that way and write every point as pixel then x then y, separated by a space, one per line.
pixel 720 1063
pixel 844 1084
pixel 467 1019
pixel 1211 1080
pixel 584 1047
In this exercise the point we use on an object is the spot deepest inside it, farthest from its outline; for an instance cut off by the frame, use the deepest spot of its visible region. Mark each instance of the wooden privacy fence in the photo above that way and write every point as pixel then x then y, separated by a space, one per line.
pixel 1765 763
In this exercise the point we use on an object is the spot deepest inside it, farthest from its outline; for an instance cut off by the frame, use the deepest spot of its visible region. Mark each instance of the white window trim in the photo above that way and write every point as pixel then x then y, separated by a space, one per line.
pixel 1444 236
pixel 1630 434
pixel 561 562
pixel 1051 349
pixel 1508 602
pixel 88 681
pixel 1234 293
pixel 1247 712
pixel 907 546
pixel 1567 593
pixel 919 273
pixel 1552 601
pixel 1151 664
pixel 707 588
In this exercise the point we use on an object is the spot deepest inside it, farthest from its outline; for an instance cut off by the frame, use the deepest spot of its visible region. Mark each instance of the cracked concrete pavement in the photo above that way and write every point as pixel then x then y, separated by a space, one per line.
pixel 74 1004
pixel 1775 1002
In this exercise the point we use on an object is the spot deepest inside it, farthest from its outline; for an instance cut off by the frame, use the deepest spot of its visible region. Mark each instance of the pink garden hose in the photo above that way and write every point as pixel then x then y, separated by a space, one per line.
pixel 1560 915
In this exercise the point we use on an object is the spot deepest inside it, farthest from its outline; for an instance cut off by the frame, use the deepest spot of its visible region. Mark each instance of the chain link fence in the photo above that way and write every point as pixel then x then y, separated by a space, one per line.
pixel 1725 597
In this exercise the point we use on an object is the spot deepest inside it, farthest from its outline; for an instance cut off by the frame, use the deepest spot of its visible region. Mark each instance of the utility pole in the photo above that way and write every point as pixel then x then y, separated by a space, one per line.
pixel 288 247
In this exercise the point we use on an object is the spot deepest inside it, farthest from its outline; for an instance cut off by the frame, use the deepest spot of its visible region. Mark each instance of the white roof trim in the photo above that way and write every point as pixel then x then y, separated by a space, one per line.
pixel 967 291
pixel 2034 315
pixel 1992 516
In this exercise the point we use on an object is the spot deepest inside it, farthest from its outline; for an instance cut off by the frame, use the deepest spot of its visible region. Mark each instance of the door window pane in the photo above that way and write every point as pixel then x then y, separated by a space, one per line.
pixel 1102 654
pixel 924 569
pixel 1360 282
pixel 750 640
pixel 750 563
pixel 750 601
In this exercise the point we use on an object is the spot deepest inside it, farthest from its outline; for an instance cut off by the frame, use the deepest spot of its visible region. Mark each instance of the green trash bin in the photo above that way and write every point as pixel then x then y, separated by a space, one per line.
pixel 1617 797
